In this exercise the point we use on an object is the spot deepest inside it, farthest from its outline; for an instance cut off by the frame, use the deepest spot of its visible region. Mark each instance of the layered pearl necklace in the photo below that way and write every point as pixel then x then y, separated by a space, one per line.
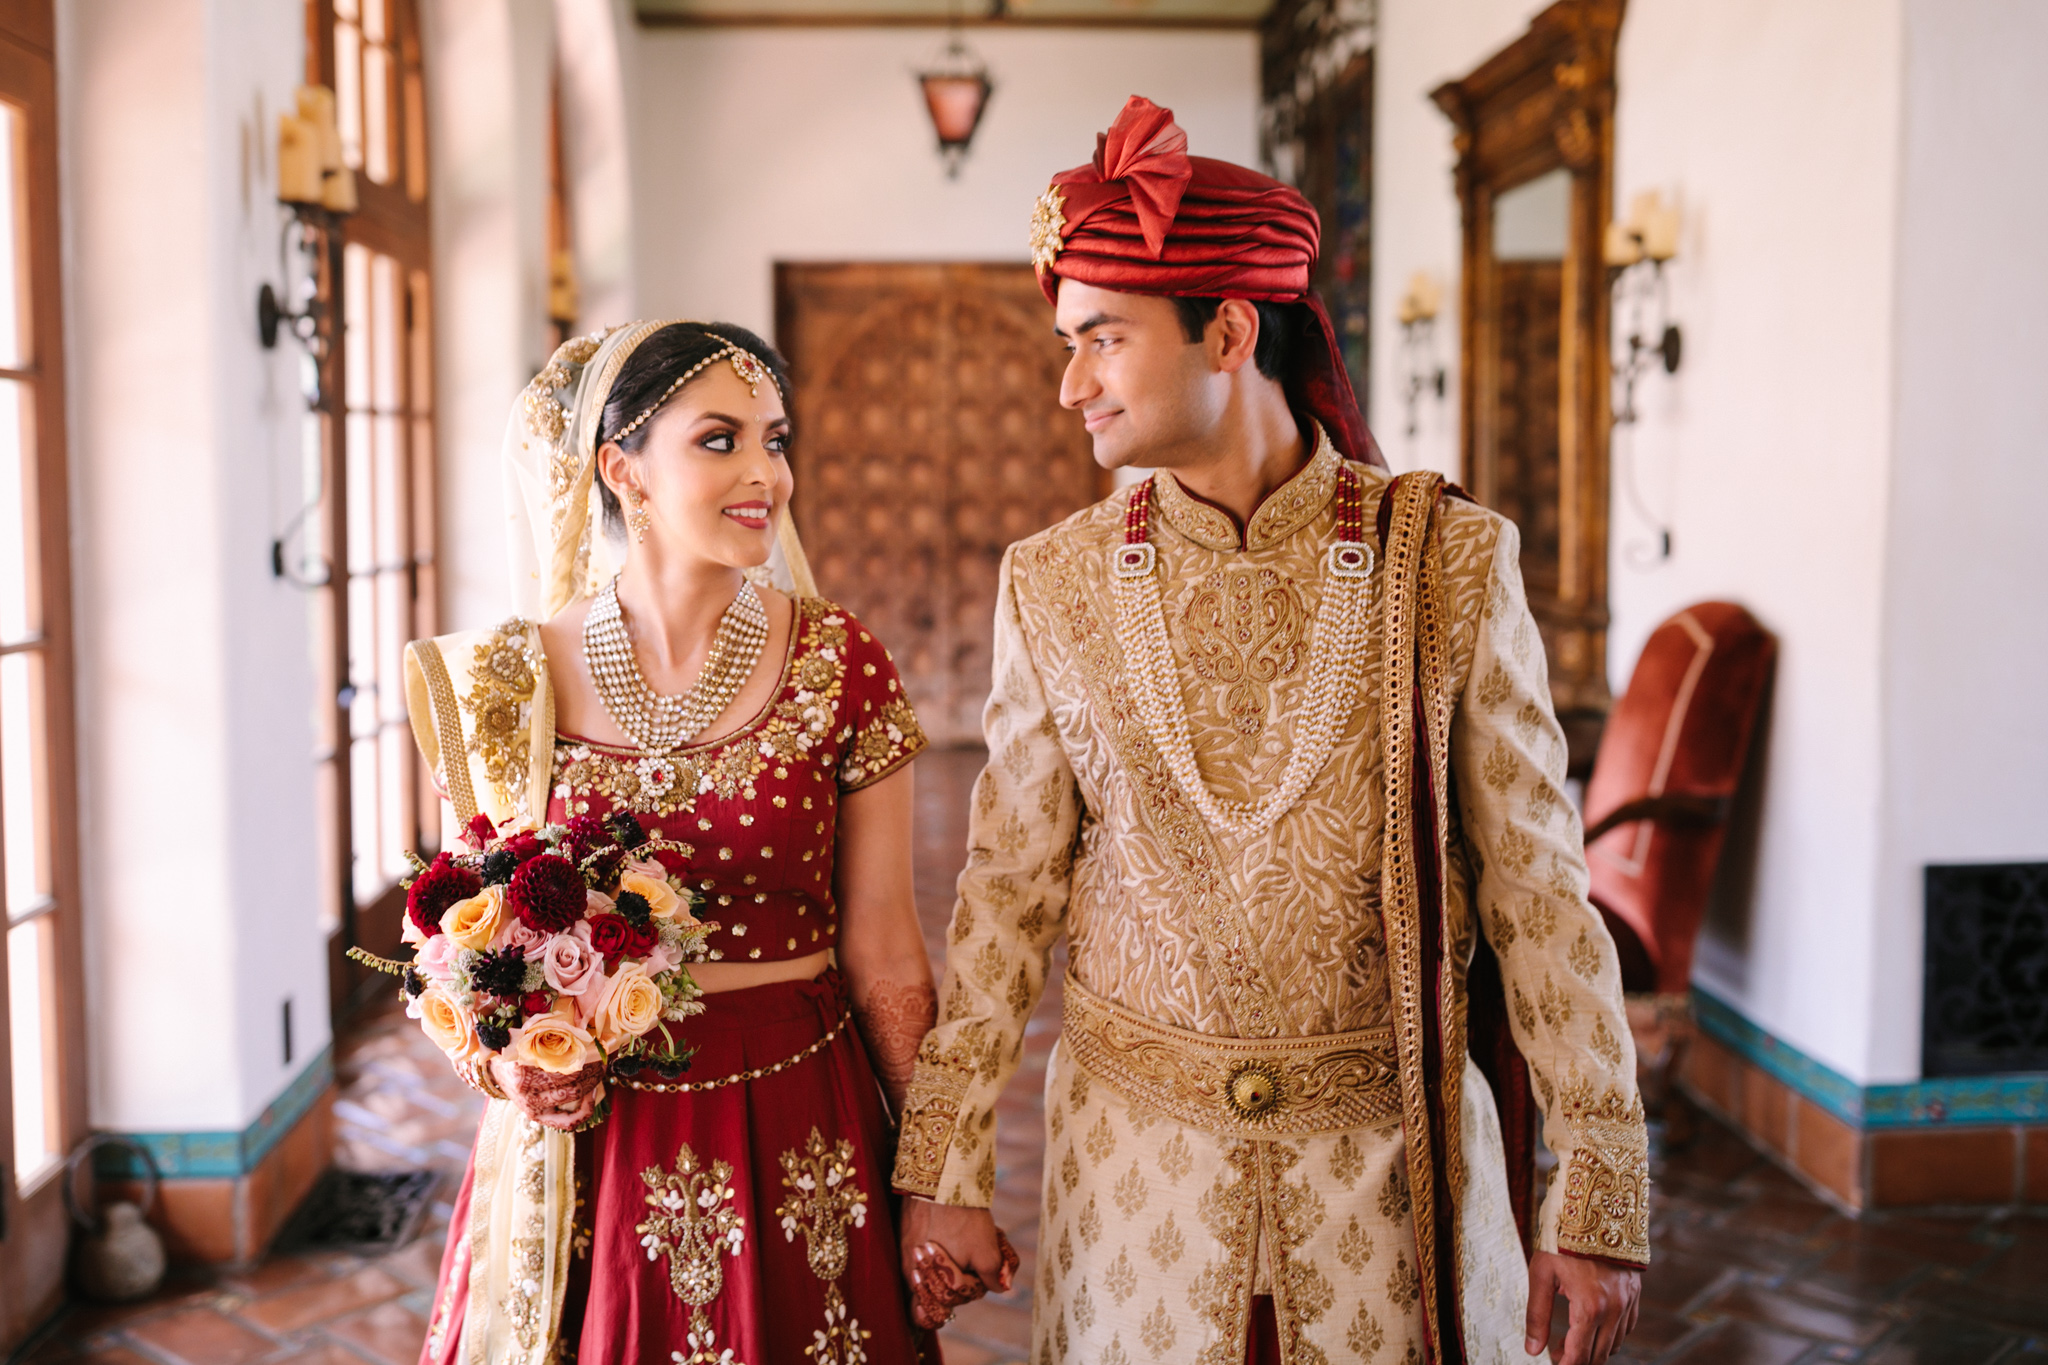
pixel 1335 655
pixel 660 724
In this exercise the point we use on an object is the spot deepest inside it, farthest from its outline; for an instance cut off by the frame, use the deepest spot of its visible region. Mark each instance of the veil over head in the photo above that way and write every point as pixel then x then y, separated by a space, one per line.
pixel 559 551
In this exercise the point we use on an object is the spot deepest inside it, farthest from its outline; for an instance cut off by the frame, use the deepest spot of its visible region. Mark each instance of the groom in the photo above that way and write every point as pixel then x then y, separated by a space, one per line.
pixel 1270 742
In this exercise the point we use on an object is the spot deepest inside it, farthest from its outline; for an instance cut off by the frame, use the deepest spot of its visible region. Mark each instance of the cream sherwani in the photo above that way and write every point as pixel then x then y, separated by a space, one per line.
pixel 1158 1228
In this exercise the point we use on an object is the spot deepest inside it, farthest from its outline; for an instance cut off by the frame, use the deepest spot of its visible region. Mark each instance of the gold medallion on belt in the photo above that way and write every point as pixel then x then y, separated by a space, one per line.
pixel 1245 1087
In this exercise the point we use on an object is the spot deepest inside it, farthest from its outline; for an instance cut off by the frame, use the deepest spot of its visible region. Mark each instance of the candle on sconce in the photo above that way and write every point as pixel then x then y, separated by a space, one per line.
pixel 316 106
pixel 1622 248
pixel 1654 225
pixel 298 161
pixel 1422 301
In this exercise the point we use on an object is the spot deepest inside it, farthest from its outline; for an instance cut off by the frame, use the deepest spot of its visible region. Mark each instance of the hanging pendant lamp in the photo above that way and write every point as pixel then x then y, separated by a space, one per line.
pixel 956 90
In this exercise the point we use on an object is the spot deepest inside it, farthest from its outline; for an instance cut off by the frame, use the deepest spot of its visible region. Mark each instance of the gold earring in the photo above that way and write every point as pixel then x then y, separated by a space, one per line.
pixel 639 518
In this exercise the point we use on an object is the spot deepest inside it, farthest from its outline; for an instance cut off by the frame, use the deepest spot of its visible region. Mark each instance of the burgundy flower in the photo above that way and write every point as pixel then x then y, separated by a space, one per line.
pixel 587 835
pixel 547 893
pixel 523 846
pixel 536 1002
pixel 479 832
pixel 443 884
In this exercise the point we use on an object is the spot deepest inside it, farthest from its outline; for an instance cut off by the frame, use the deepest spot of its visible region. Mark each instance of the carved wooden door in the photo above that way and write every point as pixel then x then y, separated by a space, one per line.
pixel 929 437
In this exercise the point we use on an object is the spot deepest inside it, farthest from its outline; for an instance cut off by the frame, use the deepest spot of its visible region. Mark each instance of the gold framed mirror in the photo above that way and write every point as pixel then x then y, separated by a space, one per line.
pixel 1535 142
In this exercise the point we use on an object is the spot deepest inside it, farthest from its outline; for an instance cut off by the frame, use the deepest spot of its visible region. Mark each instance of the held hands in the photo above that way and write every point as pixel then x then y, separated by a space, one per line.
pixel 952 1256
pixel 550 1099
pixel 1603 1298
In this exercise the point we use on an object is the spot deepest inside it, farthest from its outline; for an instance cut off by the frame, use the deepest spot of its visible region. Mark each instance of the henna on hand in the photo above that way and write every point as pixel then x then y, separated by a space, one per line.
pixel 941 1285
pixel 549 1098
pixel 894 1017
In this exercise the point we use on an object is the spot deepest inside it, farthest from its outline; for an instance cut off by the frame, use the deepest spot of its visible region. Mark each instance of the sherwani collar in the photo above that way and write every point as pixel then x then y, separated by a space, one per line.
pixel 1290 507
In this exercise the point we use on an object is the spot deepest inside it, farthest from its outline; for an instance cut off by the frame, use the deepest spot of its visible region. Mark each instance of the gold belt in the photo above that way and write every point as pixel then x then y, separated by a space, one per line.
pixel 1241 1087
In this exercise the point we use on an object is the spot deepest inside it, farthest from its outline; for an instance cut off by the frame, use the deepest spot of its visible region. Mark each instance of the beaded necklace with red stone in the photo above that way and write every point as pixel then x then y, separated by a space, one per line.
pixel 1336 652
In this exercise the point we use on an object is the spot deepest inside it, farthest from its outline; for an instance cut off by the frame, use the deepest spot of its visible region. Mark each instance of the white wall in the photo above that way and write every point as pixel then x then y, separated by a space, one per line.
pixel 1966 616
pixel 764 145
pixel 195 681
pixel 488 67
pixel 1778 127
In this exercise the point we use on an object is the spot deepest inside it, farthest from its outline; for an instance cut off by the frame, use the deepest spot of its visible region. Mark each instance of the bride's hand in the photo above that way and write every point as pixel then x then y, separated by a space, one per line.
pixel 550 1099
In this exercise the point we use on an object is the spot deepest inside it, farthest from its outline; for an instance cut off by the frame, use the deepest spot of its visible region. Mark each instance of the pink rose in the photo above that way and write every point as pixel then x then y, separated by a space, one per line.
pixel 517 933
pixel 433 959
pixel 571 965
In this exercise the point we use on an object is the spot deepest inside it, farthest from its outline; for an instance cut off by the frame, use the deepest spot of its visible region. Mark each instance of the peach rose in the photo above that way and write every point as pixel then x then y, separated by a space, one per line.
pixel 554 1043
pixel 650 881
pixel 630 1006
pixel 446 1024
pixel 475 922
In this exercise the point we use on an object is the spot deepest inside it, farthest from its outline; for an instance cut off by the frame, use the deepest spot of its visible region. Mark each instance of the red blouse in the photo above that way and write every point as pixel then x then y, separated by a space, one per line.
pixel 758 811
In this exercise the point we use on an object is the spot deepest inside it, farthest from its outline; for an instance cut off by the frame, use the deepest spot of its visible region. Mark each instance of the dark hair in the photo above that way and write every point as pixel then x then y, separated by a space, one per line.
pixel 647 374
pixel 1279 324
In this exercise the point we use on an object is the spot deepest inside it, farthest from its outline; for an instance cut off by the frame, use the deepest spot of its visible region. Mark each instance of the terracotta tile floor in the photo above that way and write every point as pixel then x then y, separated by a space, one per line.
pixel 1751 1269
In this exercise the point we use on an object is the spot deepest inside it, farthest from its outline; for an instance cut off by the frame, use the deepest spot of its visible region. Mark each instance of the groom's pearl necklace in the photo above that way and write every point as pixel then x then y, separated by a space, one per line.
pixel 1337 650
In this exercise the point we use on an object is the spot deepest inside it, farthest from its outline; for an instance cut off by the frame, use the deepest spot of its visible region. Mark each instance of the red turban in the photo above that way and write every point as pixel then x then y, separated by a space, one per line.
pixel 1146 218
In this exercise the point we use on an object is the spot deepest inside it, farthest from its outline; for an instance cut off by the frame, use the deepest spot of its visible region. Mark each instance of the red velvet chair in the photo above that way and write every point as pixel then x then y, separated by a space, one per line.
pixel 1664 781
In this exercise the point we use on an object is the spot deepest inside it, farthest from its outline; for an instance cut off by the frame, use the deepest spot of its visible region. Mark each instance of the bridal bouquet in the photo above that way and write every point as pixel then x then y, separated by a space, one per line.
pixel 555 947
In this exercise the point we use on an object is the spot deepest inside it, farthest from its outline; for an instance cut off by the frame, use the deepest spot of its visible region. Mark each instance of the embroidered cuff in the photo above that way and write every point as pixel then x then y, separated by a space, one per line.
pixel 1605 1211
pixel 931 1112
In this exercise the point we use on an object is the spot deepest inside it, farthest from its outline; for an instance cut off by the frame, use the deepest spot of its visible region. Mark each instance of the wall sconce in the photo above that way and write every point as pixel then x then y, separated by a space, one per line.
pixel 956 90
pixel 1421 371
pixel 1636 251
pixel 319 189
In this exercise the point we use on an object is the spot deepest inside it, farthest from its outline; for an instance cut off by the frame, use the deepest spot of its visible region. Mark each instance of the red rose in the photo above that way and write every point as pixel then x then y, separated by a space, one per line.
pixel 672 862
pixel 535 1002
pixel 443 884
pixel 645 936
pixel 479 832
pixel 547 893
pixel 523 846
pixel 612 936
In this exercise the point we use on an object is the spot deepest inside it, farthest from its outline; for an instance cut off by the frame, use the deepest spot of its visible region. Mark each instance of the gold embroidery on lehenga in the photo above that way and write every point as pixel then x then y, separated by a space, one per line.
pixel 822 1203
pixel 671 783
pixel 694 1223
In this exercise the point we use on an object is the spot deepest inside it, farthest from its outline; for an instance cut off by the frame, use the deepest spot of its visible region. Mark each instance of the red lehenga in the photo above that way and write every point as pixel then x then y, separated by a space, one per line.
pixel 742 1215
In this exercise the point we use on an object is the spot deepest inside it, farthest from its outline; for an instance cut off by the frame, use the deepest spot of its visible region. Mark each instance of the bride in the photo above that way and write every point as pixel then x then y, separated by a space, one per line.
pixel 737 1211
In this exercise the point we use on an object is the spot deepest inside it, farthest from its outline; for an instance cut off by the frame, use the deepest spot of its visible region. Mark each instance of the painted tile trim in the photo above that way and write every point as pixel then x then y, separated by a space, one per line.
pixel 229 1154
pixel 2015 1098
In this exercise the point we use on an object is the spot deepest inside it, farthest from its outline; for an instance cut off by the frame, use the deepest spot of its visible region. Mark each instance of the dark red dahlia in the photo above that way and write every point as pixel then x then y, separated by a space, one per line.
pixel 547 893
pixel 587 835
pixel 443 884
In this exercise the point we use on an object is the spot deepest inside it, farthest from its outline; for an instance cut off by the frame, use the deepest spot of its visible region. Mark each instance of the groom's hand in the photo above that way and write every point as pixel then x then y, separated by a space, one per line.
pixel 1603 1300
pixel 967 1236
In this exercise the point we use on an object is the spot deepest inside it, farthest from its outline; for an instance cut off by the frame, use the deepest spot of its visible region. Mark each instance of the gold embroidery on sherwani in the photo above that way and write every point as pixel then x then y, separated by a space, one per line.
pixel 1197 863
pixel 694 1224
pixel 1248 1088
pixel 1222 1292
pixel 822 1203
pixel 1246 629
pixel 1312 891
pixel 1606 1210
